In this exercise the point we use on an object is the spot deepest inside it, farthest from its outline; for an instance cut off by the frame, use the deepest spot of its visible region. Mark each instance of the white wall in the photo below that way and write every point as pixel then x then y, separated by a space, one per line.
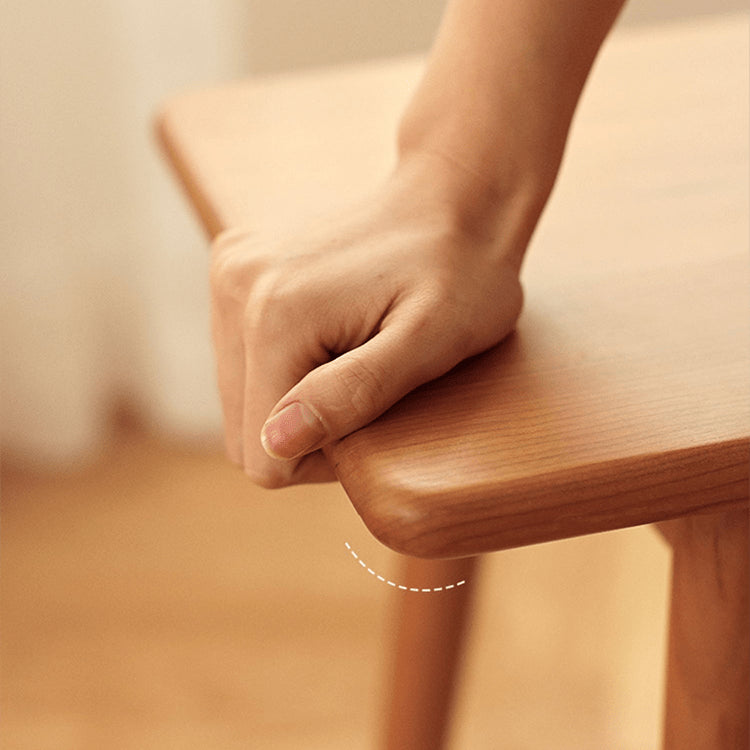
pixel 285 34
pixel 103 290
pixel 652 11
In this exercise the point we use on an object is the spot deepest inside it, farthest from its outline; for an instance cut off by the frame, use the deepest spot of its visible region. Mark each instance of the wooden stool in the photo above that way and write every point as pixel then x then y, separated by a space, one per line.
pixel 622 398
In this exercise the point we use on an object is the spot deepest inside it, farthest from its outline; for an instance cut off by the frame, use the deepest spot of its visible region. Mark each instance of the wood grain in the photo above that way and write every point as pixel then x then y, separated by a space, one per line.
pixel 708 677
pixel 159 600
pixel 428 655
pixel 622 398
pixel 570 427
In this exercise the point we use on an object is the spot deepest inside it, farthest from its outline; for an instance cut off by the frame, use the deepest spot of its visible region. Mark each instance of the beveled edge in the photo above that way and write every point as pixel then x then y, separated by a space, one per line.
pixel 572 502
pixel 165 131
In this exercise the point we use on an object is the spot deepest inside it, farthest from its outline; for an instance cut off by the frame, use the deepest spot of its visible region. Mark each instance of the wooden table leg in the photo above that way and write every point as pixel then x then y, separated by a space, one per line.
pixel 429 645
pixel 708 679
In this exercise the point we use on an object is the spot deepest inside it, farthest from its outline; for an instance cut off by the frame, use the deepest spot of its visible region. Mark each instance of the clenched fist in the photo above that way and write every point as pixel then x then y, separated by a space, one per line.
pixel 319 334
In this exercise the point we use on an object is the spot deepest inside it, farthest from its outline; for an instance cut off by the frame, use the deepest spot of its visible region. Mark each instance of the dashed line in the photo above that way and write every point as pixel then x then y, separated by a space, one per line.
pixel 398 585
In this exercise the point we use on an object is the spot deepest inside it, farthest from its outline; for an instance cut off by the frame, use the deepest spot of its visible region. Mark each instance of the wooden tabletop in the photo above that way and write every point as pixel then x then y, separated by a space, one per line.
pixel 623 397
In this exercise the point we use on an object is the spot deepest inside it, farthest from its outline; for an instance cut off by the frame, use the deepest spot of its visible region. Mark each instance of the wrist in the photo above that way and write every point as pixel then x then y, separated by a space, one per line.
pixel 499 214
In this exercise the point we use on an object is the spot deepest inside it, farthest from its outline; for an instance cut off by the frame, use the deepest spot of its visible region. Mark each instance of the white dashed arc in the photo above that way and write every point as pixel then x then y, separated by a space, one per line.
pixel 398 585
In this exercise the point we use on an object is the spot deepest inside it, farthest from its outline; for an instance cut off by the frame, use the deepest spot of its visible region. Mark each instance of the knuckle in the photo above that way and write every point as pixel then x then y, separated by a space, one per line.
pixel 226 277
pixel 443 330
pixel 271 305
pixel 230 237
pixel 435 311
pixel 437 298
pixel 362 385
pixel 463 325
pixel 235 264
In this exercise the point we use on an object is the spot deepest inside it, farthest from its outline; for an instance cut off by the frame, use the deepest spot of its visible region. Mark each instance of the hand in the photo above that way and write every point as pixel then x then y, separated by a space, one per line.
pixel 319 335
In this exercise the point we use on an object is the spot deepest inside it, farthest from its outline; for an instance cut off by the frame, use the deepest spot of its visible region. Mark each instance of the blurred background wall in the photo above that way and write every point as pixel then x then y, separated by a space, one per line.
pixel 103 296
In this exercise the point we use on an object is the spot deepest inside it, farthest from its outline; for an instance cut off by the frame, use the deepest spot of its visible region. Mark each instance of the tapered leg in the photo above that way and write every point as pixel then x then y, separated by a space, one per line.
pixel 429 645
pixel 708 678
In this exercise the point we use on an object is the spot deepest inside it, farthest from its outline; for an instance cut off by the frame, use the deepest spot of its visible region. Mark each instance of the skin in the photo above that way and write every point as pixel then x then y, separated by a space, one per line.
pixel 318 335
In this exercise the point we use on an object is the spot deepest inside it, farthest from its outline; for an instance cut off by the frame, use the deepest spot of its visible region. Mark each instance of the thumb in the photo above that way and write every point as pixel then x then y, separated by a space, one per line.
pixel 349 392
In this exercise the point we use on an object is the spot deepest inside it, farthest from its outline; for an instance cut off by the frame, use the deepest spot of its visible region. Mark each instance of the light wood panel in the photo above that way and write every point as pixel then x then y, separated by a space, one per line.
pixel 708 683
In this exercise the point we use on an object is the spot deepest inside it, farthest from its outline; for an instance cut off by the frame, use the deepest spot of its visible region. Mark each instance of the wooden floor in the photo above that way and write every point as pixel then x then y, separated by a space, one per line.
pixel 157 600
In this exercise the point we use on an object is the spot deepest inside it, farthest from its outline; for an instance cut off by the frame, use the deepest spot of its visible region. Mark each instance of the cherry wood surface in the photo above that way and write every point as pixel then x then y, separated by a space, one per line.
pixel 708 664
pixel 623 397
pixel 428 656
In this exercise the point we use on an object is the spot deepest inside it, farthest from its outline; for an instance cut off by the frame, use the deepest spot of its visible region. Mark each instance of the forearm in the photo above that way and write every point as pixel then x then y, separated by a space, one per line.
pixel 500 90
pixel 402 287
